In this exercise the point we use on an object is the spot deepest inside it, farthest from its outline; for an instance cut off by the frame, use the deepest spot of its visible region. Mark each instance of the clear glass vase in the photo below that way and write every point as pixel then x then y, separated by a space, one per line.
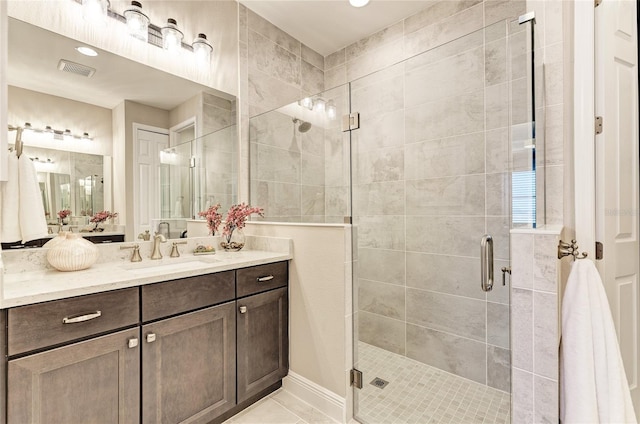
pixel 234 241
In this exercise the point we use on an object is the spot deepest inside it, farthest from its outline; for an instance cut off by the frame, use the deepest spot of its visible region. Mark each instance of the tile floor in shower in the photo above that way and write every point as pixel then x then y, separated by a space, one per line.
pixel 421 394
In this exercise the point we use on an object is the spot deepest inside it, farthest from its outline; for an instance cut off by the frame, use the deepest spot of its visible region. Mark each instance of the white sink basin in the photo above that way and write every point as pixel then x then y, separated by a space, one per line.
pixel 168 265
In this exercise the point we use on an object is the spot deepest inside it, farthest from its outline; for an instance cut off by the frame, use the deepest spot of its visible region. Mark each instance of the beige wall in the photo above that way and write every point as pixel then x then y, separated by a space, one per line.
pixel 319 301
pixel 41 109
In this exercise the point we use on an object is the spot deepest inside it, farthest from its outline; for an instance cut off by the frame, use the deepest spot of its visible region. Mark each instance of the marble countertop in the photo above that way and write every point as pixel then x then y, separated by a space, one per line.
pixel 41 285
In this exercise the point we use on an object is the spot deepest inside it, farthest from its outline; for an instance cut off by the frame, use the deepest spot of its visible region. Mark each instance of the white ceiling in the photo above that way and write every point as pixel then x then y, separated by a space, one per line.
pixel 34 54
pixel 329 25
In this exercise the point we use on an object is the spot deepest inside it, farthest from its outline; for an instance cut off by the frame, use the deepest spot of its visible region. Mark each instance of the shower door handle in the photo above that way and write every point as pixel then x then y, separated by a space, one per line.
pixel 486 263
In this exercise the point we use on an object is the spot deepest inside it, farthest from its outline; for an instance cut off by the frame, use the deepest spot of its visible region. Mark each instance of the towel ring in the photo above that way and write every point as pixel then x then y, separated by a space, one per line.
pixel 570 249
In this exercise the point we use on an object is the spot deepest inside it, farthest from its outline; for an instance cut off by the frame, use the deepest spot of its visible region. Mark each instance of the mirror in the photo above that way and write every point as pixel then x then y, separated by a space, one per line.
pixel 120 97
pixel 69 180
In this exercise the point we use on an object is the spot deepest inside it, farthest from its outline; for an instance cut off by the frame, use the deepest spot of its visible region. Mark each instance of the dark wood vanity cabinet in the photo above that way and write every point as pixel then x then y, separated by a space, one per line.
pixel 190 350
pixel 189 359
pixel 263 341
pixel 93 381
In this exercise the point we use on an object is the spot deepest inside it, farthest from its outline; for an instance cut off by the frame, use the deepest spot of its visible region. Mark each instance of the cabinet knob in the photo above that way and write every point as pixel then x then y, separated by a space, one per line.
pixel 151 337
pixel 243 309
pixel 133 343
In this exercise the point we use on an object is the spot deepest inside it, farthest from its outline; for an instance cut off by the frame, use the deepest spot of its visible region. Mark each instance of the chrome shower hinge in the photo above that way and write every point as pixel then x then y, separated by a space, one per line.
pixel 351 121
pixel 356 378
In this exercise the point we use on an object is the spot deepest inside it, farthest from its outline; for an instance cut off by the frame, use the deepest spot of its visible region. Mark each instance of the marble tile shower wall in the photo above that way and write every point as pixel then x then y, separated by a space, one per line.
pixel 431 176
pixel 287 167
pixel 219 150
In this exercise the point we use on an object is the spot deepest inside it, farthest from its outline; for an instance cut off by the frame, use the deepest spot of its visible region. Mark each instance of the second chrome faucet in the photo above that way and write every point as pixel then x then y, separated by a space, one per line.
pixel 157 239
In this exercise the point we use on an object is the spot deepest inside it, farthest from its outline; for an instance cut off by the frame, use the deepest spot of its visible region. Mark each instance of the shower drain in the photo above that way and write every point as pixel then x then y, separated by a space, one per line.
pixel 379 383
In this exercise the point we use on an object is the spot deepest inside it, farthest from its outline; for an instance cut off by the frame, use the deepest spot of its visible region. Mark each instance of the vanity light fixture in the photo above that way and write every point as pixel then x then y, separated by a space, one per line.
pixel 358 3
pixel 55 134
pixel 87 51
pixel 171 36
pixel 139 26
pixel 202 49
pixel 137 22
pixel 95 11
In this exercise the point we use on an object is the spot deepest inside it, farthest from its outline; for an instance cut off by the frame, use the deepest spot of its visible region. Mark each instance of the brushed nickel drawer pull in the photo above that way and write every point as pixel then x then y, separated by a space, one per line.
pixel 265 278
pixel 243 309
pixel 81 318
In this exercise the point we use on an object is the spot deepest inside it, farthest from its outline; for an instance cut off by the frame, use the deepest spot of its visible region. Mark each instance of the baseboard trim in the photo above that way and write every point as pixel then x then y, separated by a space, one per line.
pixel 317 396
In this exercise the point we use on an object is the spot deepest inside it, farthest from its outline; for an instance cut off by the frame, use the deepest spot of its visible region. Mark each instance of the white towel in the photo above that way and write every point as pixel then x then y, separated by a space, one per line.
pixel 594 387
pixel 10 193
pixel 33 223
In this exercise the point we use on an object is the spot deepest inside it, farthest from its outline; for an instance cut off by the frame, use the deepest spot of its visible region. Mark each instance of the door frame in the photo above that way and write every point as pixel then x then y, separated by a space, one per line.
pixel 136 189
pixel 584 176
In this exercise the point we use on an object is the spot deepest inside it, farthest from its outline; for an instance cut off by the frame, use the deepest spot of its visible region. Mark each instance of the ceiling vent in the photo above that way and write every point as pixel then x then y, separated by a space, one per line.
pixel 76 68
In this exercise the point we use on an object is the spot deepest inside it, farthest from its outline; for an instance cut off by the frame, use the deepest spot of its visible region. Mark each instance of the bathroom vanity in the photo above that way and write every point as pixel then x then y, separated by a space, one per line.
pixel 188 345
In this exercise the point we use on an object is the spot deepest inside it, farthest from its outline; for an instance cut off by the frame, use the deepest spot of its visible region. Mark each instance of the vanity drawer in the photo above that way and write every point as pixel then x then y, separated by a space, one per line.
pixel 261 278
pixel 186 294
pixel 51 323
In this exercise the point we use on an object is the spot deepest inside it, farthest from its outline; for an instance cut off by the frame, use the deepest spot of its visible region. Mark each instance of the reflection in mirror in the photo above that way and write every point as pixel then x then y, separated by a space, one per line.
pixel 69 180
pixel 196 175
pixel 108 105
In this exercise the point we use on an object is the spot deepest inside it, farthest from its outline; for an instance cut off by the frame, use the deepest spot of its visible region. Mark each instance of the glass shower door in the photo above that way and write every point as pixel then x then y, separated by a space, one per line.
pixel 431 174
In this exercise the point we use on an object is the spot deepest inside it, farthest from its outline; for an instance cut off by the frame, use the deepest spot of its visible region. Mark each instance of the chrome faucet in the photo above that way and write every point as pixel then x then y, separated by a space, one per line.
pixel 135 256
pixel 157 239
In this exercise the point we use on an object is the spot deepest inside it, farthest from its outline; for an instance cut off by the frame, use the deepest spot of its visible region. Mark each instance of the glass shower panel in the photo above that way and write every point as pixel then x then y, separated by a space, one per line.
pixel 175 184
pixel 431 175
pixel 527 144
pixel 299 160
pixel 216 170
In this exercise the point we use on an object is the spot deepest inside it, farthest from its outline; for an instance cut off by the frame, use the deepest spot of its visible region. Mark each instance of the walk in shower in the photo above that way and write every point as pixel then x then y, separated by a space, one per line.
pixel 423 158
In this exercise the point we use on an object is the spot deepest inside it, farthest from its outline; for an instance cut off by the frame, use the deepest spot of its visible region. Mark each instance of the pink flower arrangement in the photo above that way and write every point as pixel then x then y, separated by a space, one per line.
pixel 236 219
pixel 102 216
pixel 64 213
pixel 214 219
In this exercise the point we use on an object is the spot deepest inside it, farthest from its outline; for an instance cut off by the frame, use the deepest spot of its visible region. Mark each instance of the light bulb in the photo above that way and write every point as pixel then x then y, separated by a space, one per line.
pixel 331 109
pixel 358 3
pixel 202 49
pixel 137 22
pixel 171 36
pixel 319 105
pixel 306 102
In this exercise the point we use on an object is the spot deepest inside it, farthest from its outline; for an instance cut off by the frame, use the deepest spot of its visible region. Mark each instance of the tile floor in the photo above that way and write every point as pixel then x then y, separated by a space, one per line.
pixel 280 407
pixel 421 394
pixel 426 395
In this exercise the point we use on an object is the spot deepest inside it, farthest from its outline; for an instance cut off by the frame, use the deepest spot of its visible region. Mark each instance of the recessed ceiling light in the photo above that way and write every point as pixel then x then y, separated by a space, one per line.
pixel 87 51
pixel 358 3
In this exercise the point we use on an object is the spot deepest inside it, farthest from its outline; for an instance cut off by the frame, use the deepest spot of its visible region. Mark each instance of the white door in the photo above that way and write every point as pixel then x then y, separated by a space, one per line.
pixel 617 173
pixel 146 187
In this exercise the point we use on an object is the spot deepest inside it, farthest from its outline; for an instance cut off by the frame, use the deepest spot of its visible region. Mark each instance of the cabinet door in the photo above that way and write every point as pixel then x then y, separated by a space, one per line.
pixel 189 366
pixel 263 341
pixel 95 381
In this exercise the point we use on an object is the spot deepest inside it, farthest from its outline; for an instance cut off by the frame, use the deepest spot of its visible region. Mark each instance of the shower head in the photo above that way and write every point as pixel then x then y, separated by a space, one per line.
pixel 304 125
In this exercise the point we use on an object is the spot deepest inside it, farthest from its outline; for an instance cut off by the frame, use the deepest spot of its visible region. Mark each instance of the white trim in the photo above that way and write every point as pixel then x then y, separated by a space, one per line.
pixel 137 126
pixel 4 91
pixel 320 398
pixel 584 128
pixel 174 130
